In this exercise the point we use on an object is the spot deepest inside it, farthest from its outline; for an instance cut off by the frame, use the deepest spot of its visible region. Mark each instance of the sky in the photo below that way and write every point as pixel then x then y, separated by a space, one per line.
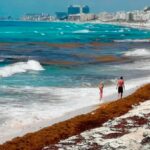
pixel 17 8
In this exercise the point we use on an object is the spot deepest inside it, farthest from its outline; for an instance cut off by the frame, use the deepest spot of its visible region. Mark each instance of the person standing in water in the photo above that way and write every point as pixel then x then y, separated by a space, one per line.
pixel 101 86
pixel 120 86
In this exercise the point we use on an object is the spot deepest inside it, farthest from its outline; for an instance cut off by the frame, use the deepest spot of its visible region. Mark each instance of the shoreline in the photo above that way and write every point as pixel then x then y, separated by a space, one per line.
pixel 129 131
pixel 132 86
pixel 138 25
pixel 58 131
pixel 145 26
pixel 85 96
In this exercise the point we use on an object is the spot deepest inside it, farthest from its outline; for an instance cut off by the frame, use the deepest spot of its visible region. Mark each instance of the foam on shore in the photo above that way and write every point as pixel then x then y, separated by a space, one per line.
pixel 138 52
pixel 133 41
pixel 78 101
pixel 53 134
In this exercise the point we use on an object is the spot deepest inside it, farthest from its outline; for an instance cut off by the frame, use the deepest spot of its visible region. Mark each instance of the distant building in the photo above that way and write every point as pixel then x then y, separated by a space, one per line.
pixel 37 17
pixel 6 18
pixel 61 15
pixel 141 16
pixel 78 9
pixel 74 9
pixel 85 9
pixel 130 17
pixel 74 17
pixel 81 17
pixel 123 16
pixel 147 9
pixel 105 16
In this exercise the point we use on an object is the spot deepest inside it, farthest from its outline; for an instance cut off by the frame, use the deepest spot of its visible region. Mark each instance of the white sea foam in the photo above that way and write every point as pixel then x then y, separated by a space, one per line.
pixel 82 31
pixel 1 60
pixel 135 138
pixel 61 33
pixel 14 57
pixel 36 31
pixel 121 30
pixel 137 65
pixel 59 28
pixel 67 26
pixel 141 62
pixel 38 106
pixel 11 32
pixel 133 40
pixel 43 34
pixel 20 67
pixel 138 52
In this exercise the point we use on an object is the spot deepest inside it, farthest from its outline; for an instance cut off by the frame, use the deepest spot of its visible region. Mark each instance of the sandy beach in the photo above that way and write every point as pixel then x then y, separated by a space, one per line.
pixel 76 125
pixel 139 25
pixel 53 99
pixel 110 94
pixel 74 75
pixel 129 131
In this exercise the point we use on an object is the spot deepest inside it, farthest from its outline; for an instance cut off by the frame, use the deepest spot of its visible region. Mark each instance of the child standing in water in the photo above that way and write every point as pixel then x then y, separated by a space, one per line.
pixel 101 86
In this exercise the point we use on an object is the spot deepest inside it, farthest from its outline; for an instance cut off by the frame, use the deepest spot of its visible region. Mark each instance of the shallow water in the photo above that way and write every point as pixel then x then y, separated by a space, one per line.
pixel 48 69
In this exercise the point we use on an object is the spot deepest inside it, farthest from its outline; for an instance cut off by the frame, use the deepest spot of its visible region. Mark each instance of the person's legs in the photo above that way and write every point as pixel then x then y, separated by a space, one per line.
pixel 120 92
pixel 121 95
pixel 101 94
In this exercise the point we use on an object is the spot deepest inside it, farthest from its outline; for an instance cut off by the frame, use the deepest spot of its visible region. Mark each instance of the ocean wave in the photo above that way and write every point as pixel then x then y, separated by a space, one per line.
pixel 14 57
pixel 61 33
pixel 138 52
pixel 121 30
pixel 35 31
pixel 59 28
pixel 20 67
pixel 67 26
pixel 2 60
pixel 137 65
pixel 82 31
pixel 41 104
pixel 11 32
pixel 122 35
pixel 133 40
pixel 141 65
pixel 43 34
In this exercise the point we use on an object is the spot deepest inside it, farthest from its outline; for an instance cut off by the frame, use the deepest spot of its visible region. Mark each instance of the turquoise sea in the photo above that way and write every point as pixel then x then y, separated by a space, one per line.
pixel 50 68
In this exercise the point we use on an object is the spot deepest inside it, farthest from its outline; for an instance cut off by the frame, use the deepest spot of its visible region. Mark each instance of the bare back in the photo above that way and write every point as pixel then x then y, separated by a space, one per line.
pixel 120 83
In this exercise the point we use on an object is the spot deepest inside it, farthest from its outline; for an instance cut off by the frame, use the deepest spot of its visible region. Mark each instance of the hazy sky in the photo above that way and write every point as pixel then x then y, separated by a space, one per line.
pixel 20 7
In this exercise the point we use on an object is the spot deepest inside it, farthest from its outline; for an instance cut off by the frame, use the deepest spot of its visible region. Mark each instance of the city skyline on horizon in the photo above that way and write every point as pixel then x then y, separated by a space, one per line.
pixel 19 8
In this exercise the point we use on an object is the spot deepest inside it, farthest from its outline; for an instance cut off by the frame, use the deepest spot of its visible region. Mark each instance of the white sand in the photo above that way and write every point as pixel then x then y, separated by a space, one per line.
pixel 131 86
pixel 139 25
pixel 133 136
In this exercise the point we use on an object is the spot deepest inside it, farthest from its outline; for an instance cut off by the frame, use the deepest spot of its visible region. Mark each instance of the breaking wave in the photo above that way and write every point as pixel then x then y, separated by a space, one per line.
pixel 133 40
pixel 138 52
pixel 20 67
pixel 82 31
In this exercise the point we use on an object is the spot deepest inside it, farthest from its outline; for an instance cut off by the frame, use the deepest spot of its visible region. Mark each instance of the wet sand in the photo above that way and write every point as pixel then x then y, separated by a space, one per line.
pixel 76 125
